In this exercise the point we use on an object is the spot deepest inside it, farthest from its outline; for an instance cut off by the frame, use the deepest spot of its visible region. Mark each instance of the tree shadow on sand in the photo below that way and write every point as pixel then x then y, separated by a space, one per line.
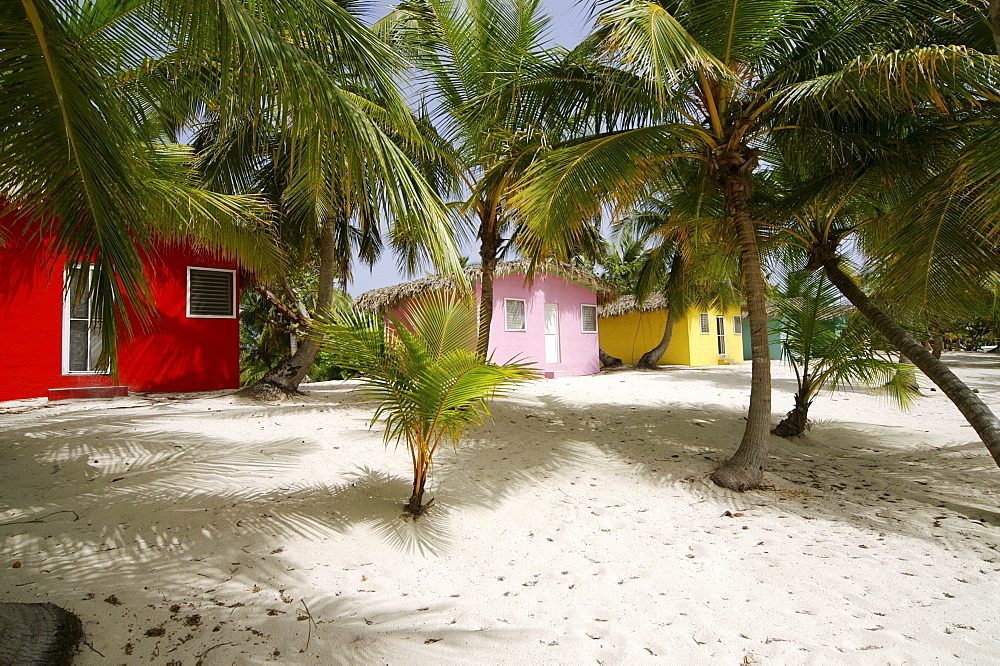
pixel 133 503
pixel 196 533
pixel 975 360
pixel 873 477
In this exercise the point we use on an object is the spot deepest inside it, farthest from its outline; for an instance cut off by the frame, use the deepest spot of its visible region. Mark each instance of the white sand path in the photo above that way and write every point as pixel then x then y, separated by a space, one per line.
pixel 579 527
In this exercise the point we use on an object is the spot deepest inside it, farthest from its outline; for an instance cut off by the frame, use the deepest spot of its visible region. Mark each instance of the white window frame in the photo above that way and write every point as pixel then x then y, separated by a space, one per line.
pixel 584 306
pixel 66 311
pixel 524 306
pixel 737 325
pixel 187 294
pixel 720 334
pixel 705 323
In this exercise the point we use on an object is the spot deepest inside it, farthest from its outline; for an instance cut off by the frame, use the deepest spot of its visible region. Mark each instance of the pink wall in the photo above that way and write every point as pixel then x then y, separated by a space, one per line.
pixel 578 350
pixel 178 354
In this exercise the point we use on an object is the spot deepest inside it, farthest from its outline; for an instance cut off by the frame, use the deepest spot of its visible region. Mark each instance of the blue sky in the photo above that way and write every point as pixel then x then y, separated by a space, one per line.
pixel 570 24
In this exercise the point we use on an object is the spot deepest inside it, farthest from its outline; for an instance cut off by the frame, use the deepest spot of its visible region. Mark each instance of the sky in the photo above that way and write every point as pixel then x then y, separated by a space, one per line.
pixel 570 24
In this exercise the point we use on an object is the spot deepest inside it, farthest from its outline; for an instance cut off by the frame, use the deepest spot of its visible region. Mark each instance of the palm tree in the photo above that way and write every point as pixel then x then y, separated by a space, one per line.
pixel 827 347
pixel 731 81
pixel 930 246
pixel 478 64
pixel 94 92
pixel 85 161
pixel 331 191
pixel 423 373
pixel 689 261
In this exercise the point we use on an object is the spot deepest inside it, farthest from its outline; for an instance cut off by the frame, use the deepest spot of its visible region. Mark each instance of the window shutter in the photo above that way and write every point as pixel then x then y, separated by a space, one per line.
pixel 514 311
pixel 588 318
pixel 210 293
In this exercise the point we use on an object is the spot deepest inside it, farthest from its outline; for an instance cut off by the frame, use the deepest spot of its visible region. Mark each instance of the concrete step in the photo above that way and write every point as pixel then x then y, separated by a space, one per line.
pixel 88 392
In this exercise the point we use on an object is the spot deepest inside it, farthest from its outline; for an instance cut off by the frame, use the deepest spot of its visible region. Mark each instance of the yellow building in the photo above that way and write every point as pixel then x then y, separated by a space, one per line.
pixel 628 330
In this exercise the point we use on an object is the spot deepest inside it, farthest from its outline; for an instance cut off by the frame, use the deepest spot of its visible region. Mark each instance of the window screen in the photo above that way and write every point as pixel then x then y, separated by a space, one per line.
pixel 704 323
pixel 588 318
pixel 211 293
pixel 737 325
pixel 514 314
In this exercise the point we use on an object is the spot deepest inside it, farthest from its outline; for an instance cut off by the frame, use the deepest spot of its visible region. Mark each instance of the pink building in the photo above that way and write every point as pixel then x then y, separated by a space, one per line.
pixel 550 322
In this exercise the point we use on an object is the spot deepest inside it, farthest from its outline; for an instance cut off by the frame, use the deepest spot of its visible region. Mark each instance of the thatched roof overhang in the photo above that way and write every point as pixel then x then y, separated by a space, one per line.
pixel 627 304
pixel 656 301
pixel 387 299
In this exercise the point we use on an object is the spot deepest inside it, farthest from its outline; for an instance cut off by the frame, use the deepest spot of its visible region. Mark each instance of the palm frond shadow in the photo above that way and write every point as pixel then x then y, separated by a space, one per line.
pixel 186 502
pixel 665 444
pixel 869 476
pixel 873 476
pixel 972 360
pixel 376 498
pixel 724 380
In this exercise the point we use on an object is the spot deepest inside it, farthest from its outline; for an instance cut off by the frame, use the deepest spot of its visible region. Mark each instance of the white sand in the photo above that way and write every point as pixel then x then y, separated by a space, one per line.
pixel 578 527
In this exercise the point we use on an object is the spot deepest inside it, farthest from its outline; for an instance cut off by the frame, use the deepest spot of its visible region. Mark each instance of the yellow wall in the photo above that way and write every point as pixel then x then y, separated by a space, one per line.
pixel 631 335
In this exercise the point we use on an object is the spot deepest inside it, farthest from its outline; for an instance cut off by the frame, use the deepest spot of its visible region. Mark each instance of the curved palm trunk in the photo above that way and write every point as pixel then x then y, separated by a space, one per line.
pixel 651 359
pixel 975 410
pixel 607 360
pixel 284 378
pixel 746 468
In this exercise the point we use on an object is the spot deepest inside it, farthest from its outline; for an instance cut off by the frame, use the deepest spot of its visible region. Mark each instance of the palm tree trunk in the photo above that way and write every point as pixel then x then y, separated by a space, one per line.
pixel 651 359
pixel 284 378
pixel 416 504
pixel 794 423
pixel 995 20
pixel 38 634
pixel 300 307
pixel 488 249
pixel 607 360
pixel 746 468
pixel 975 410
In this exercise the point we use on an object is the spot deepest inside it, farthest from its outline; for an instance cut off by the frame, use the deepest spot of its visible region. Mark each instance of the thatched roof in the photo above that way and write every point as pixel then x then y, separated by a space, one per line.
pixel 656 301
pixel 388 298
pixel 627 304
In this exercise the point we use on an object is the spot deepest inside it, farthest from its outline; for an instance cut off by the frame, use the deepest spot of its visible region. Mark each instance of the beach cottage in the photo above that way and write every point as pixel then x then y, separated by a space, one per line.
pixel 549 321
pixel 701 337
pixel 52 346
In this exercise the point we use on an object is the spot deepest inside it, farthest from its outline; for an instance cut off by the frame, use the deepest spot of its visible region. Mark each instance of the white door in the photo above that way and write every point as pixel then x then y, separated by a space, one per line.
pixel 551 333
pixel 720 327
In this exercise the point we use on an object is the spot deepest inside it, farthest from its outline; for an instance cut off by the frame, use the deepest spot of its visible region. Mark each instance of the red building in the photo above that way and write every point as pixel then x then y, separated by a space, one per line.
pixel 51 346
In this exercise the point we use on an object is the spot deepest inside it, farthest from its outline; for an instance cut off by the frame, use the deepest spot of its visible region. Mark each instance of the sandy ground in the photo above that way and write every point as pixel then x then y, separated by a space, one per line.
pixel 579 527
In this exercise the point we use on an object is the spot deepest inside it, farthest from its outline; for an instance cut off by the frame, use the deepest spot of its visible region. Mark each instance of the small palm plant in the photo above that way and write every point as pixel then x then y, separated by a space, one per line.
pixel 423 372
pixel 827 347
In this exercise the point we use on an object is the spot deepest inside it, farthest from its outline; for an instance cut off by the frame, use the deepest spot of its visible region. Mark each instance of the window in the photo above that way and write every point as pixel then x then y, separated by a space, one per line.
pixel 81 336
pixel 704 323
pixel 737 325
pixel 588 318
pixel 211 293
pixel 514 314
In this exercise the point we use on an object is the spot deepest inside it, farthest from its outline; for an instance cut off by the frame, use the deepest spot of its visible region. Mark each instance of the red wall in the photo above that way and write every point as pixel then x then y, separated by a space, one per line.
pixel 176 354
